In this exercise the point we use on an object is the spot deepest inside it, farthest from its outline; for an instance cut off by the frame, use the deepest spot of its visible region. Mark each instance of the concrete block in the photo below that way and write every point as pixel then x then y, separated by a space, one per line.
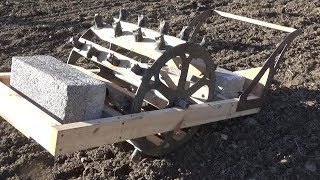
pixel 228 83
pixel 63 91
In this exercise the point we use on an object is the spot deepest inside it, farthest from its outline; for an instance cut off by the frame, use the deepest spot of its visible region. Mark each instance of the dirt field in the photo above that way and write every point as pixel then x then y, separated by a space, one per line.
pixel 282 141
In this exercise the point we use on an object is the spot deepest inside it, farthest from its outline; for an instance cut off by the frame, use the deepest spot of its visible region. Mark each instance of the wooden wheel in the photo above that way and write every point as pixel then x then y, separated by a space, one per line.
pixel 160 144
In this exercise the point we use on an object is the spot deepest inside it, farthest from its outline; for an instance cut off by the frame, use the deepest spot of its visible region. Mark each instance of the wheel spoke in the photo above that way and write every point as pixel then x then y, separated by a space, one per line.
pixel 183 75
pixel 168 80
pixel 165 91
pixel 197 86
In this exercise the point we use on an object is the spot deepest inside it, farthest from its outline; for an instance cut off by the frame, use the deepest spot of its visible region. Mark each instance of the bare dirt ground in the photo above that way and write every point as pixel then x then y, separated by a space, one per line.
pixel 282 141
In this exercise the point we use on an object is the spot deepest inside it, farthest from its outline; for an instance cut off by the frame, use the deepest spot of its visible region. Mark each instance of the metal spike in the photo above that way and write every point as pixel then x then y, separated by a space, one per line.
pixel 205 41
pixel 138 35
pixel 76 43
pixel 184 34
pixel 141 21
pixel 138 70
pixel 123 14
pixel 113 59
pixel 98 21
pixel 161 45
pixel 92 51
pixel 117 29
pixel 164 27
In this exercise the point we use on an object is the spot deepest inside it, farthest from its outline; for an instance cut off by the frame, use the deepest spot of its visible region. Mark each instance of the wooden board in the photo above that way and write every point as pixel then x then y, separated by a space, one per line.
pixel 147 47
pixel 115 129
pixel 5 78
pixel 250 74
pixel 28 119
pixel 254 21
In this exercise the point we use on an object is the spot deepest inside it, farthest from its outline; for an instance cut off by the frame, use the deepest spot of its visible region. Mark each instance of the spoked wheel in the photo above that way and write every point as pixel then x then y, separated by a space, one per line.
pixel 163 143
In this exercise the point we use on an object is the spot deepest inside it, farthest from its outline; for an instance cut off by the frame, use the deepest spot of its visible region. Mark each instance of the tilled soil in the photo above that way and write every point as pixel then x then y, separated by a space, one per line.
pixel 281 141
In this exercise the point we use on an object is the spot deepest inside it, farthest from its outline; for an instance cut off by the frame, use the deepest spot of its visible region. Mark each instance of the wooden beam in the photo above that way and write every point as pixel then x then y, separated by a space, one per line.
pixel 5 78
pixel 254 21
pixel 115 129
pixel 28 119
pixel 119 96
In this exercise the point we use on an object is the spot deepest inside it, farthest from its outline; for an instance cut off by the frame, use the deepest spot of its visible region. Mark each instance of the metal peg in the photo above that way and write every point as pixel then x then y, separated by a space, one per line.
pixel 138 35
pixel 123 14
pixel 92 51
pixel 164 27
pixel 161 45
pixel 113 59
pixel 98 21
pixel 117 29
pixel 184 34
pixel 138 70
pixel 76 43
pixel 141 21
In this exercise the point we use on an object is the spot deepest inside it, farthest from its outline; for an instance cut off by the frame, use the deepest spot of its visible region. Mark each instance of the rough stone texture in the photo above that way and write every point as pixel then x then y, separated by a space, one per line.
pixel 228 83
pixel 63 91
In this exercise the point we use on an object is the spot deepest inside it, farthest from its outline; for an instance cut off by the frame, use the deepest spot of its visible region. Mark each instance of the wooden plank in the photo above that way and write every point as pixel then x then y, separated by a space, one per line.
pixel 250 74
pixel 5 78
pixel 118 95
pixel 147 47
pixel 254 21
pixel 28 118
pixel 115 129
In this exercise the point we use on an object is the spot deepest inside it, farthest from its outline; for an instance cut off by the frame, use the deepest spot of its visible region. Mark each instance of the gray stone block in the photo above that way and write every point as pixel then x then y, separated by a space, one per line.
pixel 228 83
pixel 63 91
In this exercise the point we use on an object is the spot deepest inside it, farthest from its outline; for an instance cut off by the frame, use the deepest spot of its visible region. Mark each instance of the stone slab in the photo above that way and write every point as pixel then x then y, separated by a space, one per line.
pixel 61 90
pixel 228 83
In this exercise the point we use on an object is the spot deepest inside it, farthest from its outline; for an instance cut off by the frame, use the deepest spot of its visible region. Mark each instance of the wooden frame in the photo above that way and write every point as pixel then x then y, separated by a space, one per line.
pixel 60 138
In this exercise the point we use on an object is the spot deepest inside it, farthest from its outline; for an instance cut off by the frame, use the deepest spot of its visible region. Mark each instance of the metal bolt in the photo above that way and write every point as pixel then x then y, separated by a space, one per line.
pixel 76 43
pixel 161 45
pixel 164 27
pixel 124 105
pixel 184 34
pixel 141 21
pixel 137 35
pixel 123 14
pixel 182 103
pixel 113 59
pixel 92 51
pixel 178 133
pixel 98 21
pixel 117 29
